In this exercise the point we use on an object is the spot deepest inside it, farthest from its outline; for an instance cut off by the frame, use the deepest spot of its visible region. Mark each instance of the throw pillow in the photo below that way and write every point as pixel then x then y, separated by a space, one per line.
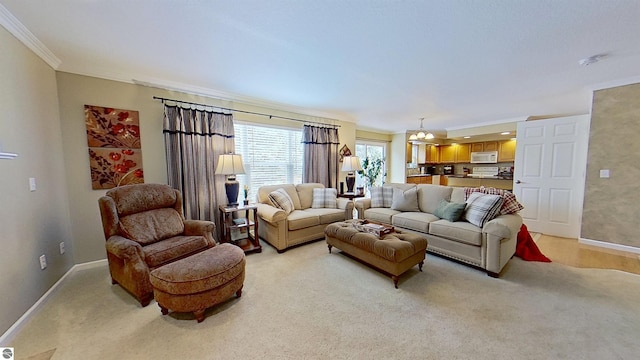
pixel 377 201
pixel 510 204
pixel 405 200
pixel 449 210
pixel 482 208
pixel 387 196
pixel 281 200
pixel 324 198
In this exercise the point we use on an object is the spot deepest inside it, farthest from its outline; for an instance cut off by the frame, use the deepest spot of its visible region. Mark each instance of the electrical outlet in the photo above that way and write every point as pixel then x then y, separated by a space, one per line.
pixel 43 262
pixel 62 248
pixel 32 184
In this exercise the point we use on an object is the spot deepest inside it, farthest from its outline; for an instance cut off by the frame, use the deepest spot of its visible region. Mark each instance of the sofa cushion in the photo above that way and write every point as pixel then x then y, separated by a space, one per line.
pixel 131 199
pixel 429 196
pixel 281 199
pixel 449 211
pixel 324 198
pixel 482 208
pixel 301 219
pixel 417 221
pixel 406 200
pixel 326 216
pixel 173 248
pixel 150 226
pixel 460 231
pixel 382 215
pixel 305 194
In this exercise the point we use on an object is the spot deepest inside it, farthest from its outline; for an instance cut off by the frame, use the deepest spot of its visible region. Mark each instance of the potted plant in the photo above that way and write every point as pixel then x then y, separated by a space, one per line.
pixel 372 167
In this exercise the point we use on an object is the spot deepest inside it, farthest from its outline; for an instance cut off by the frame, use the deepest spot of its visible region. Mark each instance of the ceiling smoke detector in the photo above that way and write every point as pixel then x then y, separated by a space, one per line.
pixel 591 59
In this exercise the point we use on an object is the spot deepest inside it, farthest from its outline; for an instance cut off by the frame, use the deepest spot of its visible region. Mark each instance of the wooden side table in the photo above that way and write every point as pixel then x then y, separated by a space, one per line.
pixel 238 230
pixel 350 195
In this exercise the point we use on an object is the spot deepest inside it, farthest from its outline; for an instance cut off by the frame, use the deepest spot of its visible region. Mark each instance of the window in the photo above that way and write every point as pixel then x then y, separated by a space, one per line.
pixel 271 155
pixel 373 150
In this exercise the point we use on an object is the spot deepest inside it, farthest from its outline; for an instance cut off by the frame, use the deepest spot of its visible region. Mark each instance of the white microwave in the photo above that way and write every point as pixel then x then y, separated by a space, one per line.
pixel 484 157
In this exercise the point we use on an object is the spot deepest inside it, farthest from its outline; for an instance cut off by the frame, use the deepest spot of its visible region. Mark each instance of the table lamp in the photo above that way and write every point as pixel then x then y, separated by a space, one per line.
pixel 230 164
pixel 351 164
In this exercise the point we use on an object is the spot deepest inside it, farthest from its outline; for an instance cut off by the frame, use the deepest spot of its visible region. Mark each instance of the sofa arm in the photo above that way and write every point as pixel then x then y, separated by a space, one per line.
pixel 270 213
pixel 504 226
pixel 201 227
pixel 501 235
pixel 361 205
pixel 347 206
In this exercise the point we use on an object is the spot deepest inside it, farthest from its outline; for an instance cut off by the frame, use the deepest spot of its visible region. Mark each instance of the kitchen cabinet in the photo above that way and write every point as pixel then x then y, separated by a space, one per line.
pixel 447 154
pixel 455 153
pixel 490 146
pixel 463 153
pixel 477 147
pixel 507 151
pixel 433 154
pixel 484 146
pixel 409 152
pixel 418 179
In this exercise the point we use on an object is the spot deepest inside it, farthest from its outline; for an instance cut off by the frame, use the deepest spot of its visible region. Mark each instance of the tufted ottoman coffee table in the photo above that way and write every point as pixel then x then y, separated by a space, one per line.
pixel 199 281
pixel 394 253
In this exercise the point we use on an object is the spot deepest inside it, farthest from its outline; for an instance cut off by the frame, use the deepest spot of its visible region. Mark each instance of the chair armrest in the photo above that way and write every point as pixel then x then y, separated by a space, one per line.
pixel 201 227
pixel 125 249
pixel 270 213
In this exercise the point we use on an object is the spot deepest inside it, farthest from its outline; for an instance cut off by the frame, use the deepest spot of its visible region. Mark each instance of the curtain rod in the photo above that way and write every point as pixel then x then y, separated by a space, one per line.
pixel 243 111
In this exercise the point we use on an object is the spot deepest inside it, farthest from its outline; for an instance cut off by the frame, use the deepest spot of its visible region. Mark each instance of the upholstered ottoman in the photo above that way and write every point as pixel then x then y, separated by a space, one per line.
pixel 394 253
pixel 200 281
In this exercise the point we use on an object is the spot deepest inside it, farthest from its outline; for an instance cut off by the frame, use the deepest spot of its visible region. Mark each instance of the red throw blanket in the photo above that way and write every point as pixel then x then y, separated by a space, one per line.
pixel 527 248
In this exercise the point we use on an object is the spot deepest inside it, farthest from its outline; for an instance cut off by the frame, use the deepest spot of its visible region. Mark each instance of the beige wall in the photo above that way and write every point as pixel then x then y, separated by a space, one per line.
pixel 31 223
pixel 611 205
pixel 76 90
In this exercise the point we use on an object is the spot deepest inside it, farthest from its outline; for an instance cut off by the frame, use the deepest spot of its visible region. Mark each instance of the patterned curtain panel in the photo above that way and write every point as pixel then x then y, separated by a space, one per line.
pixel 193 140
pixel 320 155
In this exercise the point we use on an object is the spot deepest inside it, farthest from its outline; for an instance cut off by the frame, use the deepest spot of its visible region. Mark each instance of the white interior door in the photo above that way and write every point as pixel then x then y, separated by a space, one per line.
pixel 549 174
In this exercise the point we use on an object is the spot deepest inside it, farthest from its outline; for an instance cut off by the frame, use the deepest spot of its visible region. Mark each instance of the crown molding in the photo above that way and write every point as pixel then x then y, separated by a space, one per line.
pixel 213 93
pixel 17 29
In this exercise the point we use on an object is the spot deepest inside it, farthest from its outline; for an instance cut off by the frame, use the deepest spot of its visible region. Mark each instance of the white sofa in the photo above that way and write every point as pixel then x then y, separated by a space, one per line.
pixel 304 223
pixel 488 248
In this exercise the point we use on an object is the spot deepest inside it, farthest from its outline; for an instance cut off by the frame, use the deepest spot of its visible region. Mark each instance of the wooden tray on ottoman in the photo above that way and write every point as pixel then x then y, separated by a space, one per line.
pixel 377 229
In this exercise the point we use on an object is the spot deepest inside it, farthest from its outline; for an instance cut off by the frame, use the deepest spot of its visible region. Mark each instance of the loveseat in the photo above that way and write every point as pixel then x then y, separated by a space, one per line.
pixel 289 214
pixel 412 208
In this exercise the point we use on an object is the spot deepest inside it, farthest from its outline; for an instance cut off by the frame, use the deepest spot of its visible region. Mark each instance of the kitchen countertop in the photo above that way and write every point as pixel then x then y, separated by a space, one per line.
pixel 471 177
pixel 415 175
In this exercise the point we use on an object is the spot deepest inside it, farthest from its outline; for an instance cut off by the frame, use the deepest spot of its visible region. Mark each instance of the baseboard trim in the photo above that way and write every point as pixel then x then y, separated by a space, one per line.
pixel 609 245
pixel 9 335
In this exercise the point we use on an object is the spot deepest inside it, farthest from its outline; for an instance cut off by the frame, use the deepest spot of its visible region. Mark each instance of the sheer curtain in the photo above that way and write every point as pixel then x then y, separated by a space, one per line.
pixel 320 155
pixel 193 140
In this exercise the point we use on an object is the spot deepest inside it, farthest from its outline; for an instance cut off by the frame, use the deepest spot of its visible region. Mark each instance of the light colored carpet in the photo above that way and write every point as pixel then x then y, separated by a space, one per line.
pixel 309 304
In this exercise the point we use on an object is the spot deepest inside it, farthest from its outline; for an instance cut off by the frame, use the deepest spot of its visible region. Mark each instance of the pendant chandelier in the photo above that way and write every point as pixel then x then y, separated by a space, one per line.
pixel 421 134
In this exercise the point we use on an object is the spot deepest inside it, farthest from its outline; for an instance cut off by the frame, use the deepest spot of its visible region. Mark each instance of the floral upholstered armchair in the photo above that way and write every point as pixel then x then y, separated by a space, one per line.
pixel 144 228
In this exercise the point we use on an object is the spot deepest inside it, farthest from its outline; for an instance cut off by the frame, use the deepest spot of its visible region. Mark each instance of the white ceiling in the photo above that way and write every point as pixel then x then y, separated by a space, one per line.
pixel 383 64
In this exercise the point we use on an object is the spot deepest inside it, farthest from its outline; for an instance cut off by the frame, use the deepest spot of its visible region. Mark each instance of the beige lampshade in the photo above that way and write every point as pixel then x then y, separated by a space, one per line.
pixel 229 164
pixel 351 163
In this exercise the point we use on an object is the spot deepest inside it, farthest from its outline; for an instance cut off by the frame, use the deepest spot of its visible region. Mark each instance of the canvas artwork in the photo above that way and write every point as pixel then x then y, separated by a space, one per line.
pixel 115 154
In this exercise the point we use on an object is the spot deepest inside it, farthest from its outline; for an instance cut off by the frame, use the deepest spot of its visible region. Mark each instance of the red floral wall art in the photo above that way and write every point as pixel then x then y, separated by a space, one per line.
pixel 115 154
